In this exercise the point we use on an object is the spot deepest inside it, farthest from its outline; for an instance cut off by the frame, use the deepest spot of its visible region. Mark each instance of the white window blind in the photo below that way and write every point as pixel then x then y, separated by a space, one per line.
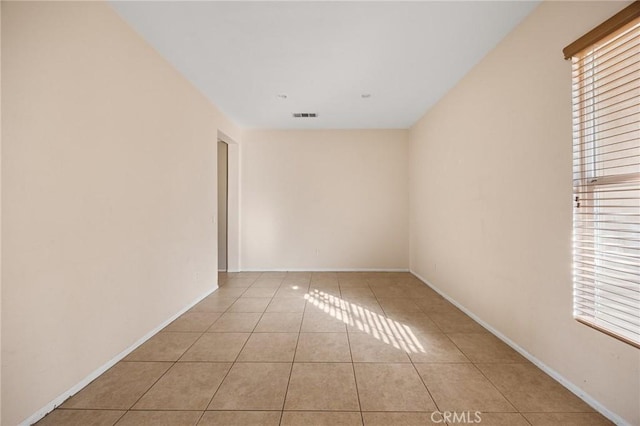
pixel 606 182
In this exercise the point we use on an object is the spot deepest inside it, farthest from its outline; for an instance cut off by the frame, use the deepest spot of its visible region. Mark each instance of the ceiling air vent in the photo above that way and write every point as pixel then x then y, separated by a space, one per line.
pixel 305 115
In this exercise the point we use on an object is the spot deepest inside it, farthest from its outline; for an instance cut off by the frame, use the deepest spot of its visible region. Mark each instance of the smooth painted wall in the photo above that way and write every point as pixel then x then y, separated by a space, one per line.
pixel 491 203
pixel 318 200
pixel 0 213
pixel 108 195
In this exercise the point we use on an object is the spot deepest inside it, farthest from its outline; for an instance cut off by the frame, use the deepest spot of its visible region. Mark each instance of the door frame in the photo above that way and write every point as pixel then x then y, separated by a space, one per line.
pixel 233 201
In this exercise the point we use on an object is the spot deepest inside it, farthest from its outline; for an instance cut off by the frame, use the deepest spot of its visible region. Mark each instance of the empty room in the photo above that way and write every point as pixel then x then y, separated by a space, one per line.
pixel 320 213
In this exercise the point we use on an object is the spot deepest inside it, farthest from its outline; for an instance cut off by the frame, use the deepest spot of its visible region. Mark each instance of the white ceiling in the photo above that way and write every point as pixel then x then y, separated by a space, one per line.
pixel 324 55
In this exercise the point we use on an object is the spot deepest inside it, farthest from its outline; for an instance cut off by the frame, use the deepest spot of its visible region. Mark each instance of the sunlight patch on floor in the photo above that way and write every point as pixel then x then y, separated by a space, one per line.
pixel 389 331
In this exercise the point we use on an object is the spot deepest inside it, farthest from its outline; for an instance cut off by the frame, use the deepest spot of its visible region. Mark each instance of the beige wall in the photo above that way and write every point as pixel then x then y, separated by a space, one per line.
pixel 491 203
pixel 0 214
pixel 324 200
pixel 108 196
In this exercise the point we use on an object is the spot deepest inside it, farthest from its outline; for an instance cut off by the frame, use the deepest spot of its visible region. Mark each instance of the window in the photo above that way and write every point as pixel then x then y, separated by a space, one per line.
pixel 606 176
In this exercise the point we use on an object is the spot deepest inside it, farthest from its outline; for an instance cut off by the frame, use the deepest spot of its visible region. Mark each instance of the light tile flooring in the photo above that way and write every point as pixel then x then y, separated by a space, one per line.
pixel 323 349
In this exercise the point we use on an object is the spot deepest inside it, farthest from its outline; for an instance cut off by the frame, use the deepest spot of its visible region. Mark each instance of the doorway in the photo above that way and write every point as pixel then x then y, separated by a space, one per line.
pixel 223 205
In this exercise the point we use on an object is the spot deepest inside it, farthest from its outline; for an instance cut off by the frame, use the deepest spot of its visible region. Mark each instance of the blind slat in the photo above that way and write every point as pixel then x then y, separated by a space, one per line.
pixel 615 135
pixel 603 276
pixel 612 321
pixel 617 321
pixel 604 240
pixel 597 82
pixel 628 231
pixel 628 120
pixel 601 113
pixel 609 102
pixel 585 190
pixel 623 258
pixel 614 297
pixel 624 317
pixel 588 245
pixel 606 62
pixel 628 305
pixel 627 85
pixel 625 45
pixel 609 267
pixel 604 279
pixel 629 299
pixel 622 151
pixel 606 182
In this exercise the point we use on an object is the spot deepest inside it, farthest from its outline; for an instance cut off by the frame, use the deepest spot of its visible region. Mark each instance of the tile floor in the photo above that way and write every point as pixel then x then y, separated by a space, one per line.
pixel 304 348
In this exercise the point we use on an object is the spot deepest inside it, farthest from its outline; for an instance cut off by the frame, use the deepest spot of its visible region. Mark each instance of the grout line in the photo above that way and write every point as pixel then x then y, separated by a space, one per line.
pixel 93 376
pixel 232 363
pixel 172 363
pixel 201 416
pixel 120 418
pixel 176 362
pixel 411 361
pixel 190 346
pixel 355 378
pixel 286 392
pixel 124 409
pixel 526 419
pixel 152 385
pixel 529 359
pixel 484 375
pixel 385 314
pixel 496 387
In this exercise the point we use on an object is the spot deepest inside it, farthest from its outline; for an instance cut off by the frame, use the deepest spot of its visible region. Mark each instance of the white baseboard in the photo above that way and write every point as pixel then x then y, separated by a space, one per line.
pixel 551 372
pixel 94 374
pixel 323 270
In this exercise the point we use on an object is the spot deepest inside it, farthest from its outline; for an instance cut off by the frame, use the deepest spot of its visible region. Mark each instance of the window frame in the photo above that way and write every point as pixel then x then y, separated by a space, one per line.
pixel 587 183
